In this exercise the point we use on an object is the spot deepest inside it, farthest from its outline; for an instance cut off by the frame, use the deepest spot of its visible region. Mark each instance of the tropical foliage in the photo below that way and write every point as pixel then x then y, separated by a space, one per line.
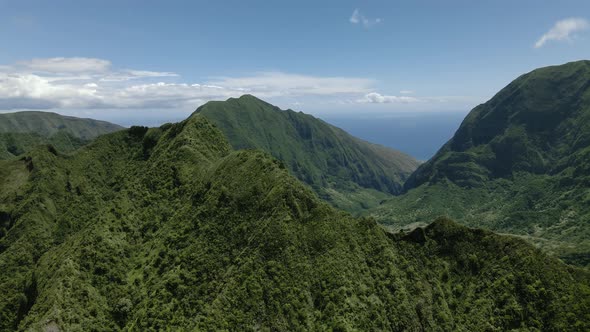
pixel 348 172
pixel 168 228
pixel 518 164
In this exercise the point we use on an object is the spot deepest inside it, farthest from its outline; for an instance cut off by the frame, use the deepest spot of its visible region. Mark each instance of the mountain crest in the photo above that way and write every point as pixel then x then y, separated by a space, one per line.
pixel 349 172
pixel 518 164
pixel 539 123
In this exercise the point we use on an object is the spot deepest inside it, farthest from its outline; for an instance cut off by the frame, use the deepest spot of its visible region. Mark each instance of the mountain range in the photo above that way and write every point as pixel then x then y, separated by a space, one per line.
pixel 21 131
pixel 348 172
pixel 232 220
pixel 172 229
pixel 518 164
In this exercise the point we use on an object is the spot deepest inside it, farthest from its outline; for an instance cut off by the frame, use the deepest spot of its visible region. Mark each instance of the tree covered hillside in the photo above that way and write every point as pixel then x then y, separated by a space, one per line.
pixel 47 124
pixel 518 164
pixel 22 131
pixel 169 228
pixel 348 172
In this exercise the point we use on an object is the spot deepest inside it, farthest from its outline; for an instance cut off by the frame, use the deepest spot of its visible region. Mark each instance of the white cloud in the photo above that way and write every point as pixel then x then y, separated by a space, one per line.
pixel 272 84
pixel 67 65
pixel 168 95
pixel 31 89
pixel 147 73
pixel 563 30
pixel 126 75
pixel 85 83
pixel 406 92
pixel 376 98
pixel 358 18
pixel 75 85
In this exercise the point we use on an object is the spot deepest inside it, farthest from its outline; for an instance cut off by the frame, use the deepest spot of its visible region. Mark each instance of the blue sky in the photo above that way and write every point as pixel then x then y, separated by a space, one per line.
pixel 162 59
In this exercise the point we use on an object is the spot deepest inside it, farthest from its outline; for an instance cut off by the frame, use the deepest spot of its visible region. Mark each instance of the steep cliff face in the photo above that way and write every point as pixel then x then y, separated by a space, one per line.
pixel 538 124
pixel 518 164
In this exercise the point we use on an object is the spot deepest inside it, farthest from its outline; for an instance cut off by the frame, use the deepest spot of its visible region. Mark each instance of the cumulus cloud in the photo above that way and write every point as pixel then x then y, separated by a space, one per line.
pixel 377 98
pixel 29 89
pixel 86 83
pixel 358 18
pixel 563 30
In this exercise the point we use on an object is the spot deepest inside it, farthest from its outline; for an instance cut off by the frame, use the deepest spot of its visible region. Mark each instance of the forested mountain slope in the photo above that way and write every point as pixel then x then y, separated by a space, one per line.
pixel 22 131
pixel 519 164
pixel 47 124
pixel 350 173
pixel 169 228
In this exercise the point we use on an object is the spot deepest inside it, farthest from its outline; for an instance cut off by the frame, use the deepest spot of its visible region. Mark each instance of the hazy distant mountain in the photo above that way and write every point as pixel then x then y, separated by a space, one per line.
pixel 519 163
pixel 349 172
pixel 47 124
pixel 21 131
pixel 169 229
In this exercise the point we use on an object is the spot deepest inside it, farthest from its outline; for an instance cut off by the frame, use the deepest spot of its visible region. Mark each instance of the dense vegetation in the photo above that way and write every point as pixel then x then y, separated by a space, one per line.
pixel 15 144
pixel 348 172
pixel 22 131
pixel 168 228
pixel 519 164
pixel 47 124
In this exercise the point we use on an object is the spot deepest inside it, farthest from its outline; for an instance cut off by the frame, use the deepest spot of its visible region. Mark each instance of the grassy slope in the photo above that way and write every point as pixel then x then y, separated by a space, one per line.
pixel 169 228
pixel 518 164
pixel 349 172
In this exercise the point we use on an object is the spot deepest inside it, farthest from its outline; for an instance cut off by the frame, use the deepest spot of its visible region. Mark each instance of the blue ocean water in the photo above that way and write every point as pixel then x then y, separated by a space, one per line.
pixel 419 135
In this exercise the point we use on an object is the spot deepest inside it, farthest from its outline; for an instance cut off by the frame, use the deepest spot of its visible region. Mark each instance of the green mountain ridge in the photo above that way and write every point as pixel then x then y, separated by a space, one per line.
pixel 22 131
pixel 518 164
pixel 537 124
pixel 348 172
pixel 47 124
pixel 169 228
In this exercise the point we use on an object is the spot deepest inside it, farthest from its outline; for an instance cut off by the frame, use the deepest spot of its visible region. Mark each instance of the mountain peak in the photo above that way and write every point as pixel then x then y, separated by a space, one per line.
pixel 517 164
pixel 534 125
pixel 249 97
pixel 169 229
pixel 334 163
pixel 246 98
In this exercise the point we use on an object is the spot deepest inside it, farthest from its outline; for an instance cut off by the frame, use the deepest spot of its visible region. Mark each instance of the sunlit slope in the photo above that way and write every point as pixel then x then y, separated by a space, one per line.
pixel 168 228
pixel 350 173
pixel 518 164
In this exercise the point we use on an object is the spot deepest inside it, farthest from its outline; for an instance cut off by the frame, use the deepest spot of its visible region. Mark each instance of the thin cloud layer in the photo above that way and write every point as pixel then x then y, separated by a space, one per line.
pixel 87 83
pixel 95 84
pixel 274 84
pixel 563 30
pixel 67 65
pixel 358 18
